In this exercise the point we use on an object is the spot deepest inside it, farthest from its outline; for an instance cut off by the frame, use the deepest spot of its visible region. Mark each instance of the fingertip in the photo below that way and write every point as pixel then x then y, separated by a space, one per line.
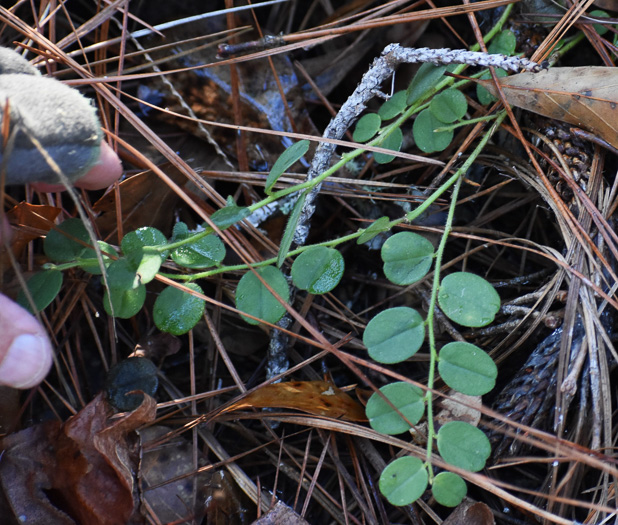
pixel 25 351
pixel 108 170
pixel 27 361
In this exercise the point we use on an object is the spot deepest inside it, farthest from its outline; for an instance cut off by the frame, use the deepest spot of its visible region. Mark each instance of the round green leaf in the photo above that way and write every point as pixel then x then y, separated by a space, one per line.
pixel 503 43
pixel 484 96
pixel 407 398
pixel 425 137
pixel 467 369
pixel 427 76
pixel 88 260
pixel 318 270
pixel 134 241
pixel 367 127
pixel 393 106
pixel 43 288
pixel 463 445
pixel 126 303
pixel 393 141
pixel 61 244
pixel 449 489
pixel 468 299
pixel 176 311
pixel 407 257
pixel 394 335
pixel 146 264
pixel 403 481
pixel 121 275
pixel 203 253
pixel 449 106
pixel 375 228
pixel 253 298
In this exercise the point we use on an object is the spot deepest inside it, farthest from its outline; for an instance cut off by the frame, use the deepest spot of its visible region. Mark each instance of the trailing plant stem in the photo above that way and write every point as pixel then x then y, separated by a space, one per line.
pixel 410 216
pixel 433 353
pixel 455 179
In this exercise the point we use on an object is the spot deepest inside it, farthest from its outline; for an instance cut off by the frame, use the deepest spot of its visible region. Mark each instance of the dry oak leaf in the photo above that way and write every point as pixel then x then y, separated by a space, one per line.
pixel 81 471
pixel 315 397
pixel 584 96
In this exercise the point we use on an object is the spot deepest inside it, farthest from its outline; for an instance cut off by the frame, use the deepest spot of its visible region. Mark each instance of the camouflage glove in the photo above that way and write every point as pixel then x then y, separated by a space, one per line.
pixel 60 118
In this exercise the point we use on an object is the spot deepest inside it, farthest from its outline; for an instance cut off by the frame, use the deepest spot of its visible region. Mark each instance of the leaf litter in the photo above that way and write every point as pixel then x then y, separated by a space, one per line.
pixel 583 96
pixel 563 103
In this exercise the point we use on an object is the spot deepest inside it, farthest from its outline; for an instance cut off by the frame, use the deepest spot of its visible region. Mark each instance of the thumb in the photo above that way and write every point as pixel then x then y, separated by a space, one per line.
pixel 25 350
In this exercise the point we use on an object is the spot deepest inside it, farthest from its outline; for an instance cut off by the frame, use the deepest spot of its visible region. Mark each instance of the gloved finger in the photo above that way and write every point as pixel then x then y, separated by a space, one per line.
pixel 61 120
pixel 100 176
pixel 25 350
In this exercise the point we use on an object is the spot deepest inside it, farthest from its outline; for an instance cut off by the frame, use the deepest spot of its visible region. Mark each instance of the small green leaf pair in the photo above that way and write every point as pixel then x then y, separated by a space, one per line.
pixel 317 270
pixel 463 367
pixel 405 479
pixel 369 125
pixel 68 242
pixel 366 129
pixel 127 276
pixel 175 310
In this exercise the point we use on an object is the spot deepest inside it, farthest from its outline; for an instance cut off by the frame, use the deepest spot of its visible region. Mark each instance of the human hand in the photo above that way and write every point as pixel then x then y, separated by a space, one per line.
pixel 65 124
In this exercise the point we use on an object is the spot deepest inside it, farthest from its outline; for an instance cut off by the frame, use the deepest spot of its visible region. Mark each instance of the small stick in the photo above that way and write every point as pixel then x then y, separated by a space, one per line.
pixel 381 69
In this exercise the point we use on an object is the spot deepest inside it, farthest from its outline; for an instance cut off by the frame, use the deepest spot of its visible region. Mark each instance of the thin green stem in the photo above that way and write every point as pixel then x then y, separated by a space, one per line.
pixel 410 216
pixel 61 267
pixel 433 353
pixel 347 157
pixel 486 118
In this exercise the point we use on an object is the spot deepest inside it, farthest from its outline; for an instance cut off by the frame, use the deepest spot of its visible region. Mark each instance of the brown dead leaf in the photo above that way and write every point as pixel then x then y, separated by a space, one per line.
pixel 145 201
pixel 81 471
pixel 584 96
pixel 29 222
pixel 315 397
pixel 27 460
pixel 470 513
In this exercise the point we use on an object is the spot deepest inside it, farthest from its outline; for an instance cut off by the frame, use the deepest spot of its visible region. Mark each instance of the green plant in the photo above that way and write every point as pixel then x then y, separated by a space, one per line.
pixel 392 336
